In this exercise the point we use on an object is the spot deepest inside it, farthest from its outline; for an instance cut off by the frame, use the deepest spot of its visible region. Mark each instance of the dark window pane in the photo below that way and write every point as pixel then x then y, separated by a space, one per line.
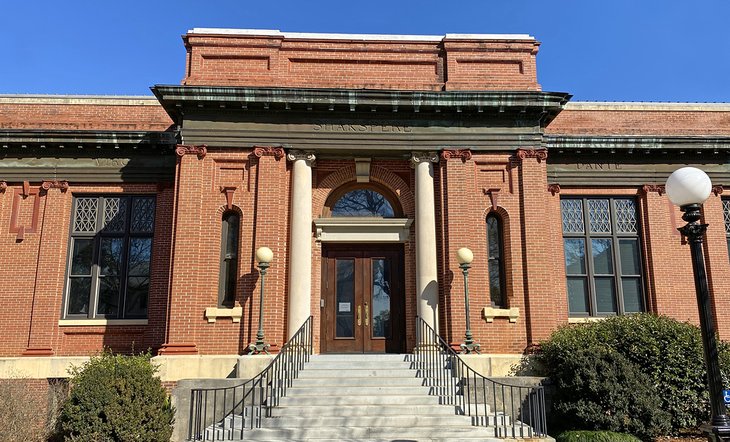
pixel 137 293
pixel 575 256
pixel 494 239
pixel 140 252
pixel 495 283
pixel 232 235
pixel 83 250
pixel 143 214
pixel 78 296
pixel 578 295
pixel 633 302
pixel 381 298
pixel 605 295
pixel 108 302
pixel 629 251
pixel 111 256
pixel 363 202
pixel 345 298
pixel 602 256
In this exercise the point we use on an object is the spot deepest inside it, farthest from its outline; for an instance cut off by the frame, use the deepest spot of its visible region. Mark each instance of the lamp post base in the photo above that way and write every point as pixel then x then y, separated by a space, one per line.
pixel 716 433
pixel 470 347
pixel 258 348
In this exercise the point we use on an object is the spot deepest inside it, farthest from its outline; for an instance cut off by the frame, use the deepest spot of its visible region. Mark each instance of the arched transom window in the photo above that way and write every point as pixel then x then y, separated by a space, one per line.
pixel 365 201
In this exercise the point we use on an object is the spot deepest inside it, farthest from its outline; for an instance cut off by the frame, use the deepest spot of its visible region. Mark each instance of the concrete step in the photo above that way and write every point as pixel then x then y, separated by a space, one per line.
pixel 363 356
pixel 309 372
pixel 335 401
pixel 366 390
pixel 358 365
pixel 365 410
pixel 378 421
pixel 357 382
pixel 359 433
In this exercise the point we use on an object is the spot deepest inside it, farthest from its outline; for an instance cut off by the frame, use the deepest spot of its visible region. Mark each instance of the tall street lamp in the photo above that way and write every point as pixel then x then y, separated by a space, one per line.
pixel 264 256
pixel 465 256
pixel 688 188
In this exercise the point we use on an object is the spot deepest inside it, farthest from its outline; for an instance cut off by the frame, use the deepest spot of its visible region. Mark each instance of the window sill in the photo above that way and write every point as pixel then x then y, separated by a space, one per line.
pixel 213 313
pixel 95 322
pixel 586 319
pixel 512 313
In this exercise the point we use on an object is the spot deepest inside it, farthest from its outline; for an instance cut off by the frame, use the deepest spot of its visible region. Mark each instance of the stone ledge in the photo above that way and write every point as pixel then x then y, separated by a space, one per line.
pixel 586 319
pixel 512 313
pixel 97 322
pixel 213 313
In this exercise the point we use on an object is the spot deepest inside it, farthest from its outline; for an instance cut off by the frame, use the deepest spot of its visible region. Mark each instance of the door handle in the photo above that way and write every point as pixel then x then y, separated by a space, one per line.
pixel 367 315
pixel 359 315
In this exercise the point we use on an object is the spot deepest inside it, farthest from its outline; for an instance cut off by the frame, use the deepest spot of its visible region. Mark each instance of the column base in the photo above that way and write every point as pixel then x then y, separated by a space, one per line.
pixel 179 349
pixel 38 351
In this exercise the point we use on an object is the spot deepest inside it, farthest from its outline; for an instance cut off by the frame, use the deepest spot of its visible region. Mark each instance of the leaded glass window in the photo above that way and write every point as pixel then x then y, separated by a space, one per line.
pixel 110 256
pixel 495 263
pixel 363 202
pixel 603 262
pixel 229 258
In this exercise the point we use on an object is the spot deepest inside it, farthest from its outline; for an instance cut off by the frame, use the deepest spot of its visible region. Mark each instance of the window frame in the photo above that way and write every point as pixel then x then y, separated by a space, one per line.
pixel 726 218
pixel 95 272
pixel 338 193
pixel 225 298
pixel 615 237
pixel 499 259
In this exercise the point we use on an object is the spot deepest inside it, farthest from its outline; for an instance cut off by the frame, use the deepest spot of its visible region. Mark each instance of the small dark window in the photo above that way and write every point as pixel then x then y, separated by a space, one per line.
pixel 496 265
pixel 229 258
pixel 363 202
pixel 726 214
pixel 110 256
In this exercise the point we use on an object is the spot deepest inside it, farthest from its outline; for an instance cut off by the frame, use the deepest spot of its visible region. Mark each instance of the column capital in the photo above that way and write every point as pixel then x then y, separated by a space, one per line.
pixel 295 154
pixel 463 154
pixel 184 149
pixel 423 157
pixel 540 154
pixel 3 186
pixel 55 184
pixel 656 188
pixel 276 152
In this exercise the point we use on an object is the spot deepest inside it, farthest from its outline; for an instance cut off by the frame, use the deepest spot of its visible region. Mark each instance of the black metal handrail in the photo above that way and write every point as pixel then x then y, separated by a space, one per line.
pixel 225 413
pixel 513 410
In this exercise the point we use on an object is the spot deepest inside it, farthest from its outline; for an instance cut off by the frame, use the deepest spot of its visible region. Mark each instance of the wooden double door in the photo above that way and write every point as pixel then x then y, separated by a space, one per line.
pixel 362 299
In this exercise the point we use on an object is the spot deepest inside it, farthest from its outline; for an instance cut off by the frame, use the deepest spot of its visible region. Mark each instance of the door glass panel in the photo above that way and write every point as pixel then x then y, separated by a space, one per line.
pixel 381 298
pixel 345 298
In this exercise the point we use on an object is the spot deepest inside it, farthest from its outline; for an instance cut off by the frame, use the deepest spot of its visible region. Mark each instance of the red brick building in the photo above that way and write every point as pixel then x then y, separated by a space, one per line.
pixel 363 163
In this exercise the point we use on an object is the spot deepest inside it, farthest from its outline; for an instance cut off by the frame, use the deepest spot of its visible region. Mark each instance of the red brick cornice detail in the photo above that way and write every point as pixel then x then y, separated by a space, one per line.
pixel 55 184
pixel 3 186
pixel 493 195
pixel 228 190
pixel 717 190
pixel 38 351
pixel 179 349
pixel 554 188
pixel 657 188
pixel 539 154
pixel 276 152
pixel 184 149
pixel 463 154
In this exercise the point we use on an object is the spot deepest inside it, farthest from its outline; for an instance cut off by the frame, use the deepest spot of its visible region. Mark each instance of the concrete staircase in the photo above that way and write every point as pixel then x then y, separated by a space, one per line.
pixel 361 398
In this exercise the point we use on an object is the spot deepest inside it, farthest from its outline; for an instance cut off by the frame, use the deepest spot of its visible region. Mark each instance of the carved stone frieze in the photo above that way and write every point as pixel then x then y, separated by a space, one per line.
pixel 184 149
pixel 539 154
pixel 463 154
pixel 55 184
pixel 294 155
pixel 423 157
pixel 276 152
pixel 656 188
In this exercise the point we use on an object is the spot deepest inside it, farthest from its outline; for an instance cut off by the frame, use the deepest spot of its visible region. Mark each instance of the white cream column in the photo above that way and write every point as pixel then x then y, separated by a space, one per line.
pixel 300 241
pixel 427 289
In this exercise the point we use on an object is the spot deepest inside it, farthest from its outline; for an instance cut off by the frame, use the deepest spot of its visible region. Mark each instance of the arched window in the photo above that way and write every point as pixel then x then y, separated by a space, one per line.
pixel 229 258
pixel 363 200
pixel 495 248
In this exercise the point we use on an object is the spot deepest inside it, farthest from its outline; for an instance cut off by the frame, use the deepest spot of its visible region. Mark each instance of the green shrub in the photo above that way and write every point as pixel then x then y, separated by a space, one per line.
pixel 116 398
pixel 595 436
pixel 601 389
pixel 668 353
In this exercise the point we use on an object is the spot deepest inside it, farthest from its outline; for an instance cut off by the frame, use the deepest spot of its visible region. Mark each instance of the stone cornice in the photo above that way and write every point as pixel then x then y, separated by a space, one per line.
pixel 643 143
pixel 16 138
pixel 544 104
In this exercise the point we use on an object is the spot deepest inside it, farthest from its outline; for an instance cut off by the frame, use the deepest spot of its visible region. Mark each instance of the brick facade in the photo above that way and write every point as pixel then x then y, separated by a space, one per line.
pixel 240 165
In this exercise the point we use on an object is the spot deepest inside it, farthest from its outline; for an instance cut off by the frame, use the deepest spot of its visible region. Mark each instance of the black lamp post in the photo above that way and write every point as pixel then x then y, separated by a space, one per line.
pixel 264 256
pixel 465 256
pixel 688 188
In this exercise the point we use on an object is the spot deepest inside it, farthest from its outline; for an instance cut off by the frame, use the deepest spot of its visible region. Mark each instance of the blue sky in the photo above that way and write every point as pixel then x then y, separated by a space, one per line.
pixel 619 50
